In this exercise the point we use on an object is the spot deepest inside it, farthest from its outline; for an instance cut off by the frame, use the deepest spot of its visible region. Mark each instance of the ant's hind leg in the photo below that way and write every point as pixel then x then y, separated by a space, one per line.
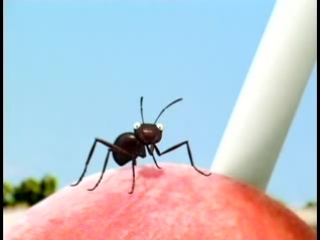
pixel 111 147
pixel 86 165
pixel 105 143
pixel 103 170
pixel 134 163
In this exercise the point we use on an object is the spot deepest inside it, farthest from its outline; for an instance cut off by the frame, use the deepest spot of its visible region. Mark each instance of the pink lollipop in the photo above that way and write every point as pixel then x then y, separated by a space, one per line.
pixel 175 202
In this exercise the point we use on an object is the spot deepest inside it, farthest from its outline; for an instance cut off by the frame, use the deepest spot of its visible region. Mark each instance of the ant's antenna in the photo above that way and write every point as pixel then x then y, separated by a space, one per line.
pixel 175 101
pixel 141 100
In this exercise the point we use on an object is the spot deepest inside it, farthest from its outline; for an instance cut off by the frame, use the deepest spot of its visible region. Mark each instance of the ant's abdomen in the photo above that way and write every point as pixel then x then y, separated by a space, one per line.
pixel 129 143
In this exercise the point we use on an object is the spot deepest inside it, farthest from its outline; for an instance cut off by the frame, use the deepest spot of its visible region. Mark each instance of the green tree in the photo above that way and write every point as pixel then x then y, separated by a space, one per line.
pixel 311 204
pixel 48 185
pixel 29 191
pixel 8 195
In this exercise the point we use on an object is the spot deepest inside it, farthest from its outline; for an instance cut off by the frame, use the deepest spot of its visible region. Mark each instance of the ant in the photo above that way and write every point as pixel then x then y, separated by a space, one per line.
pixel 131 145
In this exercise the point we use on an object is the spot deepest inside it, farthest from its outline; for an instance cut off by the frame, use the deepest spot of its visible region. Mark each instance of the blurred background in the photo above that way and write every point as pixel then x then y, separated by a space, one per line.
pixel 75 70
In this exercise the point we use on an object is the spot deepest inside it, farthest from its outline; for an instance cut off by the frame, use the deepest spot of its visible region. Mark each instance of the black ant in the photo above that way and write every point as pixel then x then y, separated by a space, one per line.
pixel 131 145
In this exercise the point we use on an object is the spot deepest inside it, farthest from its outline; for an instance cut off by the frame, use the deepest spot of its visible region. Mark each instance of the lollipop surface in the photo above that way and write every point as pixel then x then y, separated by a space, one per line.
pixel 174 202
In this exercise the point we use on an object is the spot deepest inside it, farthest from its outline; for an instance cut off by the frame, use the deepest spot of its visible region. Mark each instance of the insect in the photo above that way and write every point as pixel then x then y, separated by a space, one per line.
pixel 130 145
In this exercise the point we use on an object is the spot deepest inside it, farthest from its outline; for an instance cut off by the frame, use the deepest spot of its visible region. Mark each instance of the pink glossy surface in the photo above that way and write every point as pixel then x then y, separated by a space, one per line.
pixel 173 203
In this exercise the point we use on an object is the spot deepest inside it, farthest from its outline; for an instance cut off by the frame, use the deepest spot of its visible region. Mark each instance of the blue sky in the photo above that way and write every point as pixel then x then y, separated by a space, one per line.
pixel 75 70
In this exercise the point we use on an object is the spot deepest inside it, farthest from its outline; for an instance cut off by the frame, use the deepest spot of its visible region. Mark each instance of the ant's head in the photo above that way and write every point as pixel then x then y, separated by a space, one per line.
pixel 150 133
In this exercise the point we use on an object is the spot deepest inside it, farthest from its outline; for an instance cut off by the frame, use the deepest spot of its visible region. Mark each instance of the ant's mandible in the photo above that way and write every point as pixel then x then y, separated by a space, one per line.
pixel 131 145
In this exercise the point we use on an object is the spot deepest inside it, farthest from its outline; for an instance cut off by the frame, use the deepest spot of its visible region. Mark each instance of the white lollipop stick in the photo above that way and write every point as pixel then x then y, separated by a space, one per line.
pixel 271 94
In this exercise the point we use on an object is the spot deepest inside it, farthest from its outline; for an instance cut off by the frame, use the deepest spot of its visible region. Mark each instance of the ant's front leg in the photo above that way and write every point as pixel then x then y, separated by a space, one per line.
pixel 150 151
pixel 189 153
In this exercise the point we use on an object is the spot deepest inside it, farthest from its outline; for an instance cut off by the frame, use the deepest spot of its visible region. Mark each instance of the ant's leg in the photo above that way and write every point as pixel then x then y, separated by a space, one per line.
pixel 86 165
pixel 134 163
pixel 189 153
pixel 110 145
pixel 115 148
pixel 103 170
pixel 150 151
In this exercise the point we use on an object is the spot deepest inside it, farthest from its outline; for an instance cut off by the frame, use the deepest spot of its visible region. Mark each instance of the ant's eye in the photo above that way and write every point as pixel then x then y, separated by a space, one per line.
pixel 136 125
pixel 160 126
